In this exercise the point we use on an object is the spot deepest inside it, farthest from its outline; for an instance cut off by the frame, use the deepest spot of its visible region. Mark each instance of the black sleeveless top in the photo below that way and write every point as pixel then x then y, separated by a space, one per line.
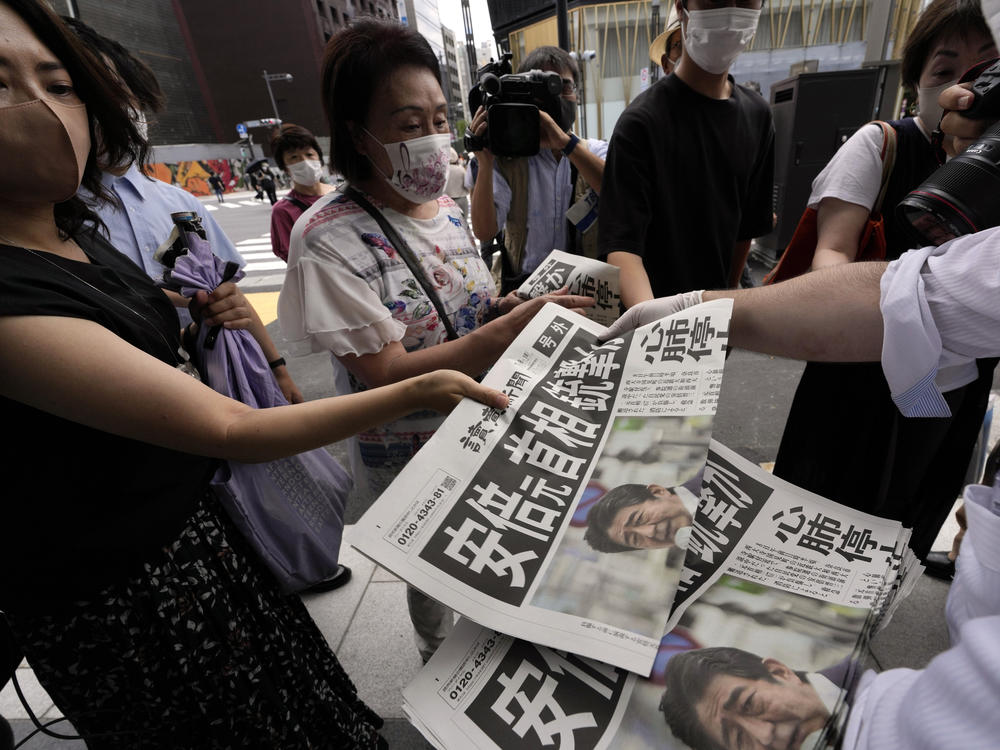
pixel 84 508
pixel 916 160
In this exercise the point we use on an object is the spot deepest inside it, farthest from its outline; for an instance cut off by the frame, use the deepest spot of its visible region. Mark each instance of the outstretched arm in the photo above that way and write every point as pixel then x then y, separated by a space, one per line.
pixel 60 365
pixel 829 315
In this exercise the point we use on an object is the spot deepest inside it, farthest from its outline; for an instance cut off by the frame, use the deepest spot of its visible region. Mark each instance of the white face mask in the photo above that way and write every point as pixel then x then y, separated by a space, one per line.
pixel 306 172
pixel 714 38
pixel 928 109
pixel 419 166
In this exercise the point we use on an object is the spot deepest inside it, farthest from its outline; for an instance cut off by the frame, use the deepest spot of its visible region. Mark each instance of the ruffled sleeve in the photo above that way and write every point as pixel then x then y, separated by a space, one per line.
pixel 325 307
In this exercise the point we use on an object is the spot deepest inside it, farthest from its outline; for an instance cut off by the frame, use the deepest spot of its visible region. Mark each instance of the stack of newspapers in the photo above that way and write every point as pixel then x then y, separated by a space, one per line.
pixel 624 581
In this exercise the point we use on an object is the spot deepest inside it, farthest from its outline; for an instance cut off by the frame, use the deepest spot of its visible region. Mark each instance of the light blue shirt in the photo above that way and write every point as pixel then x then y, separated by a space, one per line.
pixel 955 701
pixel 941 310
pixel 142 222
pixel 549 196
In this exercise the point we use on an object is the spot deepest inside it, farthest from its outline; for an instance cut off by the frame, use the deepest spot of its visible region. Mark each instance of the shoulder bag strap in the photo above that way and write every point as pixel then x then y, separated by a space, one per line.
pixel 888 161
pixel 300 204
pixel 408 256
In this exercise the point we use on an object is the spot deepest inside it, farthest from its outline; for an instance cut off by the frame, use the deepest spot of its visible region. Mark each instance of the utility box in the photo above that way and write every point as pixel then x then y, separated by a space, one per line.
pixel 814 113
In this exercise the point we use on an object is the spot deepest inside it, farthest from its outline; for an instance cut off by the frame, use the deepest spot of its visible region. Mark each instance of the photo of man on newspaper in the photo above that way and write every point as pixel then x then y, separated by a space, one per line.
pixel 640 499
pixel 642 516
pixel 750 667
pixel 727 698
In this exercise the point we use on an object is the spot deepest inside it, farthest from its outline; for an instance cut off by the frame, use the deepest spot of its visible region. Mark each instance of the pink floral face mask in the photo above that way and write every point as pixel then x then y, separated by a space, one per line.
pixel 419 166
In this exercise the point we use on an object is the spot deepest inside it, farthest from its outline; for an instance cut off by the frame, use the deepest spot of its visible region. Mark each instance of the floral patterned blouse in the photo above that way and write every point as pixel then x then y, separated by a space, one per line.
pixel 347 291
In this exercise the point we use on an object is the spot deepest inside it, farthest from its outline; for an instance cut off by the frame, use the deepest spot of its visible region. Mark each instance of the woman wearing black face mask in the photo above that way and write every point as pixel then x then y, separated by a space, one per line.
pixel 142 612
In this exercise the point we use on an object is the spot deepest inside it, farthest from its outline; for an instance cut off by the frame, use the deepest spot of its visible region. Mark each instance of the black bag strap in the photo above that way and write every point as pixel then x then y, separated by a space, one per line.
pixel 301 204
pixel 408 256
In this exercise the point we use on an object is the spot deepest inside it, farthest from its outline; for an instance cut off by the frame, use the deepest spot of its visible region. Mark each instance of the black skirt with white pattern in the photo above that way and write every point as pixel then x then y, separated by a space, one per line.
pixel 201 650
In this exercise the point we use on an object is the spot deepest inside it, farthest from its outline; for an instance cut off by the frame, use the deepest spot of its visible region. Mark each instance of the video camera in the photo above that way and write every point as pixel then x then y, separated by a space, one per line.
pixel 512 101
pixel 961 197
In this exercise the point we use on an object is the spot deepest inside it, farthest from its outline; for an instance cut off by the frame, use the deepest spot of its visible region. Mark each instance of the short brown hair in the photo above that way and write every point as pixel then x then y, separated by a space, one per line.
pixel 292 137
pixel 941 19
pixel 356 61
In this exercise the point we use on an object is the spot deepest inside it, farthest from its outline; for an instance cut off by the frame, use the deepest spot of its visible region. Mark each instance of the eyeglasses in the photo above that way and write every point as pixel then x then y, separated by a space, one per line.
pixel 569 86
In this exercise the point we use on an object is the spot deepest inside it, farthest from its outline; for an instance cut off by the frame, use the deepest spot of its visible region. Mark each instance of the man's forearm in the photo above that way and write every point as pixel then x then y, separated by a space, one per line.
pixel 589 165
pixel 829 315
pixel 483 211
pixel 634 280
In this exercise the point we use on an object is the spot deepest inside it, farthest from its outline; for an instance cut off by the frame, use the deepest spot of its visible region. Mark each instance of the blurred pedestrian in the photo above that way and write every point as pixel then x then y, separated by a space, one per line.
pixel 267 185
pixel 296 151
pixel 217 185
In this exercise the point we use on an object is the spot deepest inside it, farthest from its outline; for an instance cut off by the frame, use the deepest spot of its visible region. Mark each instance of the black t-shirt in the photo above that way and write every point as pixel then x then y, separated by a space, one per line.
pixel 84 508
pixel 686 178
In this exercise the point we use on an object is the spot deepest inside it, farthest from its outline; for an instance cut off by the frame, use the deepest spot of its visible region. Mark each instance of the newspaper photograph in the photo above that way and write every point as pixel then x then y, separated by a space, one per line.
pixel 583 275
pixel 747 663
pixel 562 519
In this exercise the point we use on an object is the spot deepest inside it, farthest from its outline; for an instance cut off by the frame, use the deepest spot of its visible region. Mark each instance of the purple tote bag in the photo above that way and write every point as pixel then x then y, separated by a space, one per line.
pixel 291 510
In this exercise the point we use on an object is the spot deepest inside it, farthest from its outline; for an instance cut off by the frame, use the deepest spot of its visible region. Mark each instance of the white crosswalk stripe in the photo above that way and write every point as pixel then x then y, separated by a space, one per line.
pixel 257 256
pixel 210 207
pixel 274 265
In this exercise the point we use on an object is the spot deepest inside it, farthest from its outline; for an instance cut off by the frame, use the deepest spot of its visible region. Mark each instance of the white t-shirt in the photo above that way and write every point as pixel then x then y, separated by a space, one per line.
pixel 854 174
pixel 347 291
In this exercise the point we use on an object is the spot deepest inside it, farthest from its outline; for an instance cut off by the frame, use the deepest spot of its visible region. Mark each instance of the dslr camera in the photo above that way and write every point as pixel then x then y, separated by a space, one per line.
pixel 961 197
pixel 512 101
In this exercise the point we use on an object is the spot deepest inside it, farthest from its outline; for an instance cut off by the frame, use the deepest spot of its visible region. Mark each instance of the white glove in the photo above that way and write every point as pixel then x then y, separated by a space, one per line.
pixel 650 311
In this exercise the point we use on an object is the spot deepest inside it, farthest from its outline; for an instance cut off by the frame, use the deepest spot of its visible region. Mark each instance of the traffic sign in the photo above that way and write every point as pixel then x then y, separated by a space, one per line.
pixel 241 130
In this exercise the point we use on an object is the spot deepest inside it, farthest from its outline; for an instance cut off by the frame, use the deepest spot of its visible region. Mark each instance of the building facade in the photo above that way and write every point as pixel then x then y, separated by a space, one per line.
pixel 451 81
pixel 153 33
pixel 210 58
pixel 836 34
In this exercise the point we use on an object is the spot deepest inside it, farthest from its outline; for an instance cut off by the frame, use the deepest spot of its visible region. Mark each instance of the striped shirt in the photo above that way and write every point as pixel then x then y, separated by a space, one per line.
pixel 941 309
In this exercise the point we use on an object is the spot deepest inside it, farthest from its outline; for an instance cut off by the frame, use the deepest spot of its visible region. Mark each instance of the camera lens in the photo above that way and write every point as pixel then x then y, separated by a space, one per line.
pixel 960 197
pixel 490 84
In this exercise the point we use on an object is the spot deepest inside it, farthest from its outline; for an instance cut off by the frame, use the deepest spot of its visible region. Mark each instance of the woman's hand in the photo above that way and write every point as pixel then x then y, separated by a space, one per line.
pixel 960 132
pixel 505 329
pixel 442 390
pixel 509 301
pixel 225 306
pixel 288 387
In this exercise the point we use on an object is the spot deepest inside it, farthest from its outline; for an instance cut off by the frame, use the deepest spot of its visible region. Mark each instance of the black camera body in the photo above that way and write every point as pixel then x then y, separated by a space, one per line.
pixel 961 197
pixel 512 102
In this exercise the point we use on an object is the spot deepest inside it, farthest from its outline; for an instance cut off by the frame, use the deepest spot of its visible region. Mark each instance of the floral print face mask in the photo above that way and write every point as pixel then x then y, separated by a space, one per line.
pixel 419 166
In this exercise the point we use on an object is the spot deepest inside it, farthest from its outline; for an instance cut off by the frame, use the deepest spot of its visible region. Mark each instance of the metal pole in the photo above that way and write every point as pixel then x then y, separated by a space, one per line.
pixel 562 24
pixel 270 93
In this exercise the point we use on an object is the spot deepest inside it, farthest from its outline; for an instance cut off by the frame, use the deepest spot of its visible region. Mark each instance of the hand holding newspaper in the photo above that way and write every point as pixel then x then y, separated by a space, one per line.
pixel 583 275
pixel 783 590
pixel 560 520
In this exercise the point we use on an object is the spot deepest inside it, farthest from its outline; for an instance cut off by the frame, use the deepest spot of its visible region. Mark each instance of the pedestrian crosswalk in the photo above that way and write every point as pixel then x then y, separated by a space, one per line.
pixel 263 269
